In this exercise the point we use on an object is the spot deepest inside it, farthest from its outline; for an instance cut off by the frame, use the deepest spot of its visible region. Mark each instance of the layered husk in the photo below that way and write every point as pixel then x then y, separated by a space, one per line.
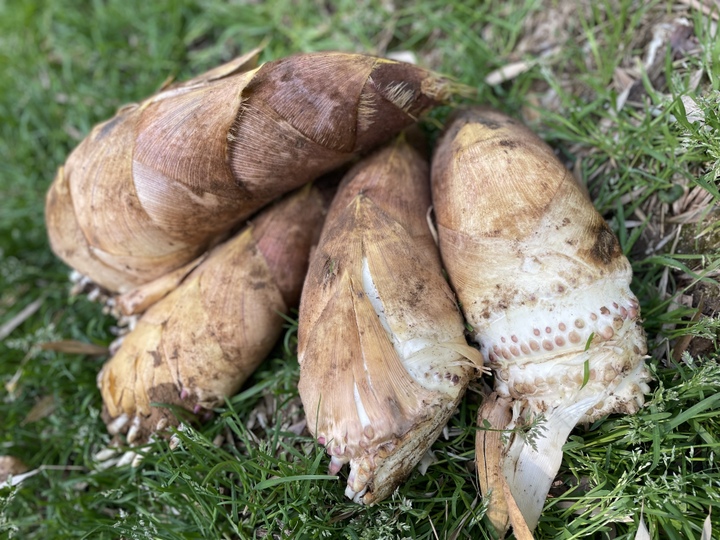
pixel 198 344
pixel 544 283
pixel 383 357
pixel 147 191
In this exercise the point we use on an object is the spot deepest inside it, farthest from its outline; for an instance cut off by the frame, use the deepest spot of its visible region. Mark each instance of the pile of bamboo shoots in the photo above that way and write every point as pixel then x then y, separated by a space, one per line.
pixel 189 210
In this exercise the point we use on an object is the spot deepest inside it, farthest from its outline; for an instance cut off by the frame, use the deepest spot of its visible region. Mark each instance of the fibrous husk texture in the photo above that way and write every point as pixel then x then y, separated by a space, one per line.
pixel 545 285
pixel 383 357
pixel 148 190
pixel 196 346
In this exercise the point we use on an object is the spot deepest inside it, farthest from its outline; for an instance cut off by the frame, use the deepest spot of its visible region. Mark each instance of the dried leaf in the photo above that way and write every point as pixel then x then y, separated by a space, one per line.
pixel 509 72
pixel 13 478
pixel 708 10
pixel 42 409
pixel 693 112
pixel 490 441
pixel 517 520
pixel 427 460
pixel 24 314
pixel 71 346
pixel 10 465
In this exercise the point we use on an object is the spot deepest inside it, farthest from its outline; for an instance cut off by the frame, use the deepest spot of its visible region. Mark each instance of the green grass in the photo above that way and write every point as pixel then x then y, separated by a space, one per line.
pixel 66 65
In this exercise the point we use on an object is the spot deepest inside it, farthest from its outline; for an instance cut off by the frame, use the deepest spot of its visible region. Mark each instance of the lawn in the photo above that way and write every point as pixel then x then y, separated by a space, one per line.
pixel 626 92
